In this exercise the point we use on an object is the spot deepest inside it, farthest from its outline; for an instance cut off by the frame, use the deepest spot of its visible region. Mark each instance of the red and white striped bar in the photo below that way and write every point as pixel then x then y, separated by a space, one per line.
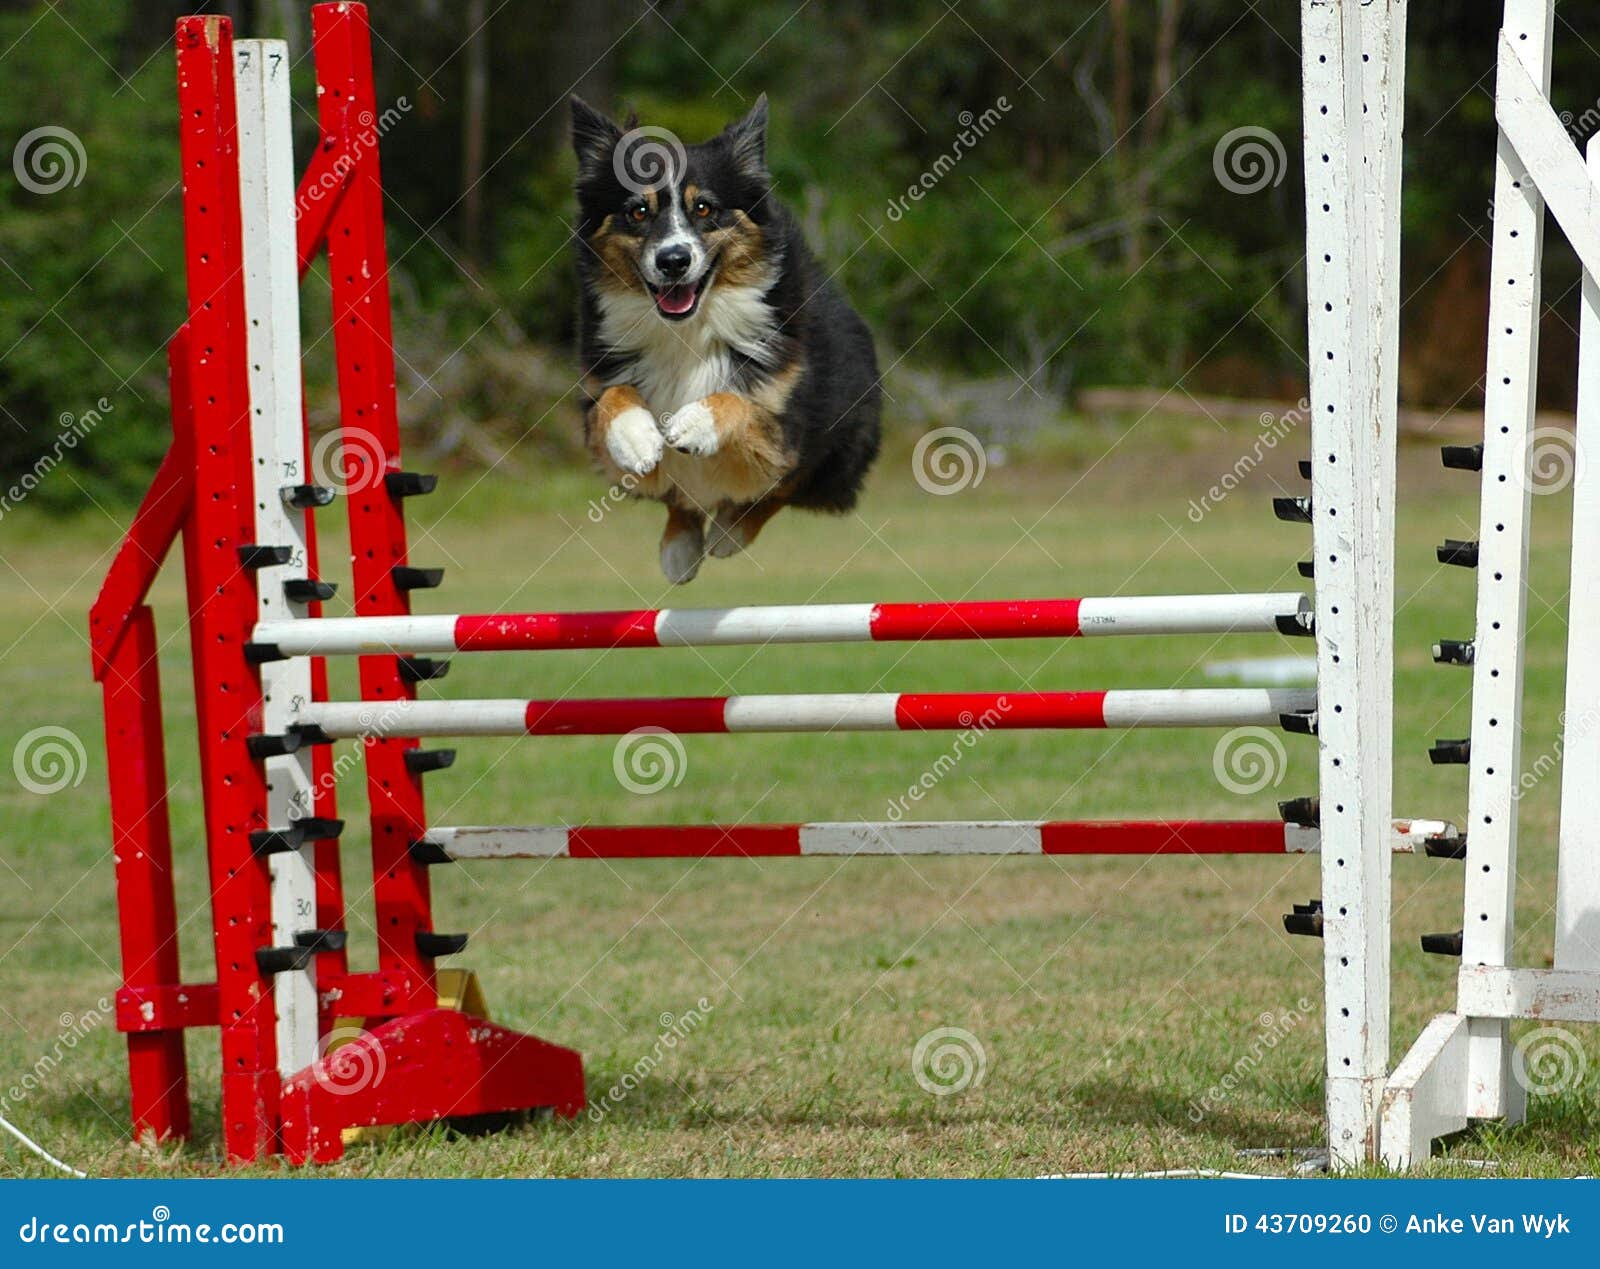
pixel 1050 837
pixel 799 623
pixel 862 711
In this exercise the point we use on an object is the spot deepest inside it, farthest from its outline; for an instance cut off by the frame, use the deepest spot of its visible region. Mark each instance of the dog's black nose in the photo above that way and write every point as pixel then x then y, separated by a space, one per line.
pixel 673 261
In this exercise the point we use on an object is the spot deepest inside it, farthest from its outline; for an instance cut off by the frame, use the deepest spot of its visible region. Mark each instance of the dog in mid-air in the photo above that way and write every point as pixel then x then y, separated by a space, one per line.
pixel 728 377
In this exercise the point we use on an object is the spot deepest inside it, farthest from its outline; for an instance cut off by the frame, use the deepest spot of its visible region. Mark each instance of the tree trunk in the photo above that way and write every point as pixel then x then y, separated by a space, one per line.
pixel 474 131
pixel 1123 160
pixel 1162 71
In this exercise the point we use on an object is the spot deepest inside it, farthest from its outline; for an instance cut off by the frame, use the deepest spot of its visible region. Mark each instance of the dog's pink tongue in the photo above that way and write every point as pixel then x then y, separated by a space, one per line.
pixel 676 299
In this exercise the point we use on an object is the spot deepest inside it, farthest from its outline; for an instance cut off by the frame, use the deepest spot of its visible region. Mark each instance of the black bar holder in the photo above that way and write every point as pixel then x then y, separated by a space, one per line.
pixel 408 484
pixel 304 497
pixel 421 669
pixel 292 740
pixel 426 852
pixel 1306 919
pixel 407 578
pixel 275 841
pixel 434 945
pixel 280 960
pixel 1441 846
pixel 422 761
pixel 253 555
pixel 1306 811
pixel 1294 510
pixel 307 590
pixel 1304 724
pixel 1297 625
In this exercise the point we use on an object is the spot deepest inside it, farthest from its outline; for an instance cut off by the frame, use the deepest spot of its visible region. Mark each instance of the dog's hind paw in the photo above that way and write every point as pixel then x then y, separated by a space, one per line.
pixel 681 556
pixel 691 430
pixel 634 441
pixel 725 540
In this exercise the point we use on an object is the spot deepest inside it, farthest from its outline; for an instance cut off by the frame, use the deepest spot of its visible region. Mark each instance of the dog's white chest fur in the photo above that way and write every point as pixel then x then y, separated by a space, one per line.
pixel 679 362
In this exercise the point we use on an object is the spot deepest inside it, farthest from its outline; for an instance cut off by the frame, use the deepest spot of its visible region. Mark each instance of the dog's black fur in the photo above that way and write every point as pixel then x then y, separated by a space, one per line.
pixel 764 339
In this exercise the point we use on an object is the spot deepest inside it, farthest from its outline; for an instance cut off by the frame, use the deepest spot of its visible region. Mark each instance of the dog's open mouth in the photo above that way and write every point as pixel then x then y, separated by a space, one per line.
pixel 676 303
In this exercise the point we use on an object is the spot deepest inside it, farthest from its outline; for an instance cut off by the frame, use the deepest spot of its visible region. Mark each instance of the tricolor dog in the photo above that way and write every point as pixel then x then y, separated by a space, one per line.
pixel 728 376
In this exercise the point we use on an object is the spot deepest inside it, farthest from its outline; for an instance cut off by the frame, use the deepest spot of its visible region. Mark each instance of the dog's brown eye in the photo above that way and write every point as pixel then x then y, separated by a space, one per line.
pixel 637 213
pixel 702 208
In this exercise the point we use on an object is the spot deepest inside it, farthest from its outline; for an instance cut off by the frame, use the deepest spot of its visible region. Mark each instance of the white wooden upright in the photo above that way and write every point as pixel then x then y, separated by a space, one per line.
pixel 1353 58
pixel 272 310
pixel 1577 945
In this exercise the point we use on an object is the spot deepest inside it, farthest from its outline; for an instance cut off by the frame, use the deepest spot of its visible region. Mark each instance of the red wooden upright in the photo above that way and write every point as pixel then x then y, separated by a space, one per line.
pixel 222 598
pixel 358 269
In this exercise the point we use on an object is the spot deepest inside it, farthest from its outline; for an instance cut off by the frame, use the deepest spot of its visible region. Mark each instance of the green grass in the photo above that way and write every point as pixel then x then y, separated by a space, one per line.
pixel 1108 995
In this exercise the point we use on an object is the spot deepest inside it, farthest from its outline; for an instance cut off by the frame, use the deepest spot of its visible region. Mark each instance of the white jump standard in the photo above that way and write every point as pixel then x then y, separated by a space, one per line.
pixel 1463 1068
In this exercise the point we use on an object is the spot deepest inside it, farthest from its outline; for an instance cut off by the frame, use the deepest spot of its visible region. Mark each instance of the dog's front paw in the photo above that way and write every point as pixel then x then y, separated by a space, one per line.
pixel 691 430
pixel 634 441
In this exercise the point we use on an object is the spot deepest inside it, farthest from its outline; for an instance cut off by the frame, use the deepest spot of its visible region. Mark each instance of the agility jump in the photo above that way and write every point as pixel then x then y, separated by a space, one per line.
pixel 237 485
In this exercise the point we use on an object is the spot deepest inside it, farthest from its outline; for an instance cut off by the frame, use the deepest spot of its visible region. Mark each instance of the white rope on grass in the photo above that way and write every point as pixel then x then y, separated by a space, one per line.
pixel 39 1150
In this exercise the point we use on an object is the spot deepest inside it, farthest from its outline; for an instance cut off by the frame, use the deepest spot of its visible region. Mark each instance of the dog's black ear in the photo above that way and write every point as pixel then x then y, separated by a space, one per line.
pixel 748 139
pixel 593 134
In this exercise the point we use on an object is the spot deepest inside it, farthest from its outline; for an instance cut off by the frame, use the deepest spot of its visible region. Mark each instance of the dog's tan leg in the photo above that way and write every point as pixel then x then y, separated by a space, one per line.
pixel 735 526
pixel 683 545
pixel 622 433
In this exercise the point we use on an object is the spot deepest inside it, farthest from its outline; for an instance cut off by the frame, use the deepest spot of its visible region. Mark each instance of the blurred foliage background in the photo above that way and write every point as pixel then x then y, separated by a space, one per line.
pixel 1083 241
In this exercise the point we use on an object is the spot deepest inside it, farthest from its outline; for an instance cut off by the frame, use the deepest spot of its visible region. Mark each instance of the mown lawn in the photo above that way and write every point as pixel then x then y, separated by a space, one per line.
pixel 1108 996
